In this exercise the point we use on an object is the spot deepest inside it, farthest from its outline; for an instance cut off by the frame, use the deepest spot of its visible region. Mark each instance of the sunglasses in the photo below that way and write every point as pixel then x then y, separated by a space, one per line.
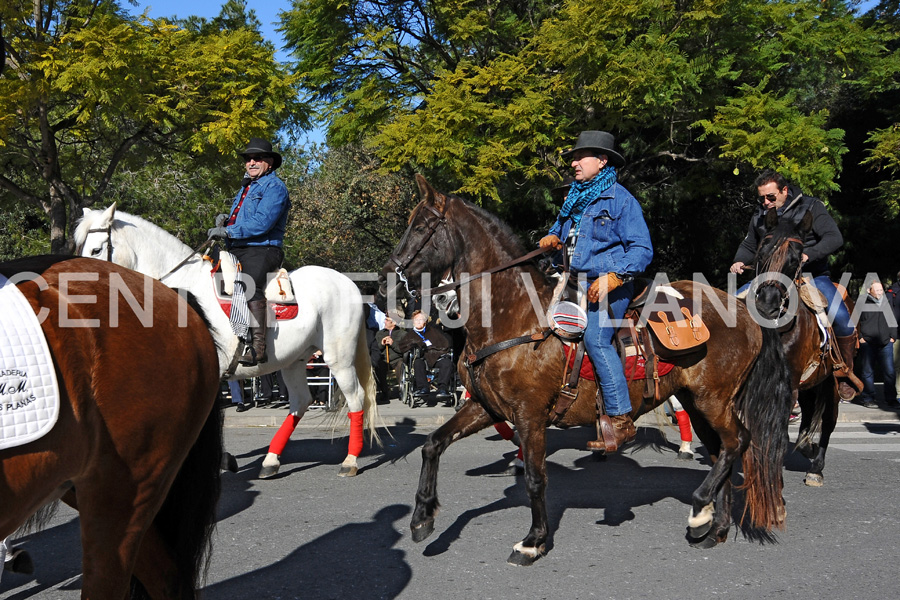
pixel 767 198
pixel 254 157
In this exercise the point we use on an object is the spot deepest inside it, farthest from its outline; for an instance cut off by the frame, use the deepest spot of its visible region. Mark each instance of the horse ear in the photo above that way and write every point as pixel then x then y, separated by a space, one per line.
pixel 108 215
pixel 426 192
pixel 806 223
pixel 771 219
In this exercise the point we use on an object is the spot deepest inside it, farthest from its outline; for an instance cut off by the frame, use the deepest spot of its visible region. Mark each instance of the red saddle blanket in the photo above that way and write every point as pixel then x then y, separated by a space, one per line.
pixel 634 366
pixel 283 312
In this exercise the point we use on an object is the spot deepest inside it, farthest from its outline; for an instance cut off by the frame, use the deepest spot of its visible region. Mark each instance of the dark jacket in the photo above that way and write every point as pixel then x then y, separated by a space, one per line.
pixel 823 239
pixel 392 353
pixel 873 325
pixel 440 344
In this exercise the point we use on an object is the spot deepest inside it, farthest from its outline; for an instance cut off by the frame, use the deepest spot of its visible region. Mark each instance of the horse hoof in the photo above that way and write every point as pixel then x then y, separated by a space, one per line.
pixel 20 563
pixel 229 462
pixel 348 471
pixel 685 455
pixel 705 543
pixel 267 472
pixel 524 557
pixel 420 532
pixel 814 480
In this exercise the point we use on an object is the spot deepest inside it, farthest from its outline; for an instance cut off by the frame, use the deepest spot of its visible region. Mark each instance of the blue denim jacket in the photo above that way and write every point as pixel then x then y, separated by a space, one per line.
pixel 263 216
pixel 612 238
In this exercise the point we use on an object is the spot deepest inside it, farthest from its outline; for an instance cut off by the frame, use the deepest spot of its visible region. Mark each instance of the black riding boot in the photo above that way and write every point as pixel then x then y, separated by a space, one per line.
pixel 256 352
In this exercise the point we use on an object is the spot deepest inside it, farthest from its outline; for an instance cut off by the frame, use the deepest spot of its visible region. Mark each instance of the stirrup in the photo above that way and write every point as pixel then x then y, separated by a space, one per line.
pixel 248 359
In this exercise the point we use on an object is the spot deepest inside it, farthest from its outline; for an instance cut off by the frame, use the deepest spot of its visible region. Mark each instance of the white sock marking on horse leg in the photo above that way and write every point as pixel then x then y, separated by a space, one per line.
pixel 271 460
pixel 350 461
pixel 532 552
pixel 705 516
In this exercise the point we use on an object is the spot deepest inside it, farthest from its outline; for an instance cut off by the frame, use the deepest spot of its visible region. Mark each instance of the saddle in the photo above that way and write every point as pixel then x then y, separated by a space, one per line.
pixel 279 289
pixel 670 331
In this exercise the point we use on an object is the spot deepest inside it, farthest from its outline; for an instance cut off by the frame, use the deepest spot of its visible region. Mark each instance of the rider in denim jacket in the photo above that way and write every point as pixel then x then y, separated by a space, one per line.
pixel 609 244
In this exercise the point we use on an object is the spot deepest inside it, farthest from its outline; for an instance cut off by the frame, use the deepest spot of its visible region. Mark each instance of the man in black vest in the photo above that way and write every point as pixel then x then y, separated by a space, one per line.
pixel 774 192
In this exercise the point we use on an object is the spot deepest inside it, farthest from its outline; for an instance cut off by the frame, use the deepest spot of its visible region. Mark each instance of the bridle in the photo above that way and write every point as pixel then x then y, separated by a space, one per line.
pixel 774 264
pixel 403 263
pixel 109 247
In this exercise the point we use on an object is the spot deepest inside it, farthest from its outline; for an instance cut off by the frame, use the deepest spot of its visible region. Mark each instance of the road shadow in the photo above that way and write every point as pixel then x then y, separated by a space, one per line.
pixel 333 565
pixel 56 552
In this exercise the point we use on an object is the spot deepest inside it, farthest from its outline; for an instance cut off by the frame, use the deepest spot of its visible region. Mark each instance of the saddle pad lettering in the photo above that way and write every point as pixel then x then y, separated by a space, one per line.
pixel 634 366
pixel 29 392
pixel 283 312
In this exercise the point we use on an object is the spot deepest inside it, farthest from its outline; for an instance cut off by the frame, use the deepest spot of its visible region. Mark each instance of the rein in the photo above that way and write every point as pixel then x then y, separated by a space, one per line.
pixel 455 284
pixel 186 258
pixel 109 249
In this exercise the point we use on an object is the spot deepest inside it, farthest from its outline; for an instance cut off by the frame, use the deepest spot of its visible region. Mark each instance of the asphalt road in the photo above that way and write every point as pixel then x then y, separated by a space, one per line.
pixel 619 525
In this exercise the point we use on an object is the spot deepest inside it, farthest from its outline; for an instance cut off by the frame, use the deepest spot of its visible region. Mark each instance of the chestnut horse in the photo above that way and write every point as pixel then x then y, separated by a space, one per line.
pixel 812 380
pixel 736 391
pixel 137 444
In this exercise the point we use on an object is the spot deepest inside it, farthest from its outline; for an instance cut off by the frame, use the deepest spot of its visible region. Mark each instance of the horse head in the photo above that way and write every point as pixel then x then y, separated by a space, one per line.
pixel 428 245
pixel 94 237
pixel 779 258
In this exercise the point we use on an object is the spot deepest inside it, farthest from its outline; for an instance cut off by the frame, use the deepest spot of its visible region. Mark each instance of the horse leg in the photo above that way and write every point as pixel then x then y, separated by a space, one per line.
pixel 830 401
pixel 471 418
pixel 113 522
pixel 805 444
pixel 534 444
pixel 709 521
pixel 299 398
pixel 350 386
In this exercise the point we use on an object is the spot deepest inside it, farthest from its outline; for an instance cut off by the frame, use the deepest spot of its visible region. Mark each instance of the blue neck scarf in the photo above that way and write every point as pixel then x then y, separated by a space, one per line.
pixel 583 193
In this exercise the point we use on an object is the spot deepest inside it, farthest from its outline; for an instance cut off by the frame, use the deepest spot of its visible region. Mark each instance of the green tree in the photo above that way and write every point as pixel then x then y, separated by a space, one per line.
pixel 88 90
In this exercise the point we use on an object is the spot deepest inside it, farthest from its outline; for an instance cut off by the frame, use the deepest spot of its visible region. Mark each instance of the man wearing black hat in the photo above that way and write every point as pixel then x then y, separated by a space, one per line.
pixel 609 244
pixel 254 233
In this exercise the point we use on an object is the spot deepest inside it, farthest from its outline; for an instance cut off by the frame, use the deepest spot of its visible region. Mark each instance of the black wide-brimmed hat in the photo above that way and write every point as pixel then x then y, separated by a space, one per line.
pixel 263 147
pixel 558 193
pixel 602 142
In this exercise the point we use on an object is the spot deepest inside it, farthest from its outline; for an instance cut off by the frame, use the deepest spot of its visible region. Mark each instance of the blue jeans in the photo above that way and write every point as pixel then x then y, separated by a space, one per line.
pixel 598 343
pixel 841 324
pixel 882 357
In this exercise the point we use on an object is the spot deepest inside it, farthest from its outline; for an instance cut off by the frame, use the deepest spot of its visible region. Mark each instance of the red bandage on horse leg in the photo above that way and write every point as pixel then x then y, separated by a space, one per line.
pixel 356 432
pixel 684 425
pixel 504 430
pixel 284 434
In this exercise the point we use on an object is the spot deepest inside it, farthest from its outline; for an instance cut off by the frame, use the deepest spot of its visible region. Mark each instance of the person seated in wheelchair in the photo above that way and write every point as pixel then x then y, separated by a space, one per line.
pixel 433 351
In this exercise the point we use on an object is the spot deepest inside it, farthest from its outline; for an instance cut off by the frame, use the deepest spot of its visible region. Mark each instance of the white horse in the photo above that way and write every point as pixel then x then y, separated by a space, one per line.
pixel 330 319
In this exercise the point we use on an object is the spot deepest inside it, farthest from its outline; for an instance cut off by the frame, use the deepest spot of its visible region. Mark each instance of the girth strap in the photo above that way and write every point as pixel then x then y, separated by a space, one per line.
pixel 475 358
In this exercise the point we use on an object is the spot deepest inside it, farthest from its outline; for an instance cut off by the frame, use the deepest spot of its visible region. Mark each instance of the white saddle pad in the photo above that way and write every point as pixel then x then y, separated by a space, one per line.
pixel 29 392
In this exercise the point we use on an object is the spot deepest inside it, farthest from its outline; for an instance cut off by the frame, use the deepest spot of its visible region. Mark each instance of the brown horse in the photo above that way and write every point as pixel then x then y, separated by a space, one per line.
pixel 137 444
pixel 811 365
pixel 736 390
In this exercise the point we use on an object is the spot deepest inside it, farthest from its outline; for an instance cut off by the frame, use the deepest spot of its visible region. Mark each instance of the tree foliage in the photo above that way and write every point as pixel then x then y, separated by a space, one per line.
pixel 89 90
pixel 482 96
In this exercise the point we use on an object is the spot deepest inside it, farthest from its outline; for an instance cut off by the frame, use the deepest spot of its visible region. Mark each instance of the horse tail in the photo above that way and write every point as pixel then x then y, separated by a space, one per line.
pixel 187 518
pixel 366 376
pixel 764 406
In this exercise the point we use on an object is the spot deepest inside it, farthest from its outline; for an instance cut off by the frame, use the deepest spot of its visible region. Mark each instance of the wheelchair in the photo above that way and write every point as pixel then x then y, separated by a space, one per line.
pixel 407 381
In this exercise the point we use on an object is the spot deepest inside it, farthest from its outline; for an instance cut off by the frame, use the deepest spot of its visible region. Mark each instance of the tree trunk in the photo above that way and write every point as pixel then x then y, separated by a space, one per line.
pixel 59 244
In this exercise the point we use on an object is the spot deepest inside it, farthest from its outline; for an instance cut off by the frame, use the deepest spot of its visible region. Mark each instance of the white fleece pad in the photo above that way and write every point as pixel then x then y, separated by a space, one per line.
pixel 29 393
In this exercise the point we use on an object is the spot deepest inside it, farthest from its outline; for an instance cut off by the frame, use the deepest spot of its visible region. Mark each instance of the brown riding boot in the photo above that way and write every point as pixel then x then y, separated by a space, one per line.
pixel 624 429
pixel 849 384
pixel 256 352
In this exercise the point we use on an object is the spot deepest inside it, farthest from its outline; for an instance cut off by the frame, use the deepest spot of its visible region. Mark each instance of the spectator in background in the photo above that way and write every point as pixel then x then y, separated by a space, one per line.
pixel 876 347
pixel 893 296
pixel 385 353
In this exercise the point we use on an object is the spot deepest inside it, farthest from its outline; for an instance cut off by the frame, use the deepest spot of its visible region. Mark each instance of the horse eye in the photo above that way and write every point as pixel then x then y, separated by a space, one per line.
pixel 95 252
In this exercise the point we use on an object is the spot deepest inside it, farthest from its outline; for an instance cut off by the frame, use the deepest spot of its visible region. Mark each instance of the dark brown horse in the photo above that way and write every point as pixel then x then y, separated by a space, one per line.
pixel 811 365
pixel 137 444
pixel 736 390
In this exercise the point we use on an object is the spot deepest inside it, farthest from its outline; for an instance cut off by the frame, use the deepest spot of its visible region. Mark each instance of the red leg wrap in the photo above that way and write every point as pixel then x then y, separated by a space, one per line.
pixel 504 430
pixel 684 425
pixel 356 433
pixel 284 434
